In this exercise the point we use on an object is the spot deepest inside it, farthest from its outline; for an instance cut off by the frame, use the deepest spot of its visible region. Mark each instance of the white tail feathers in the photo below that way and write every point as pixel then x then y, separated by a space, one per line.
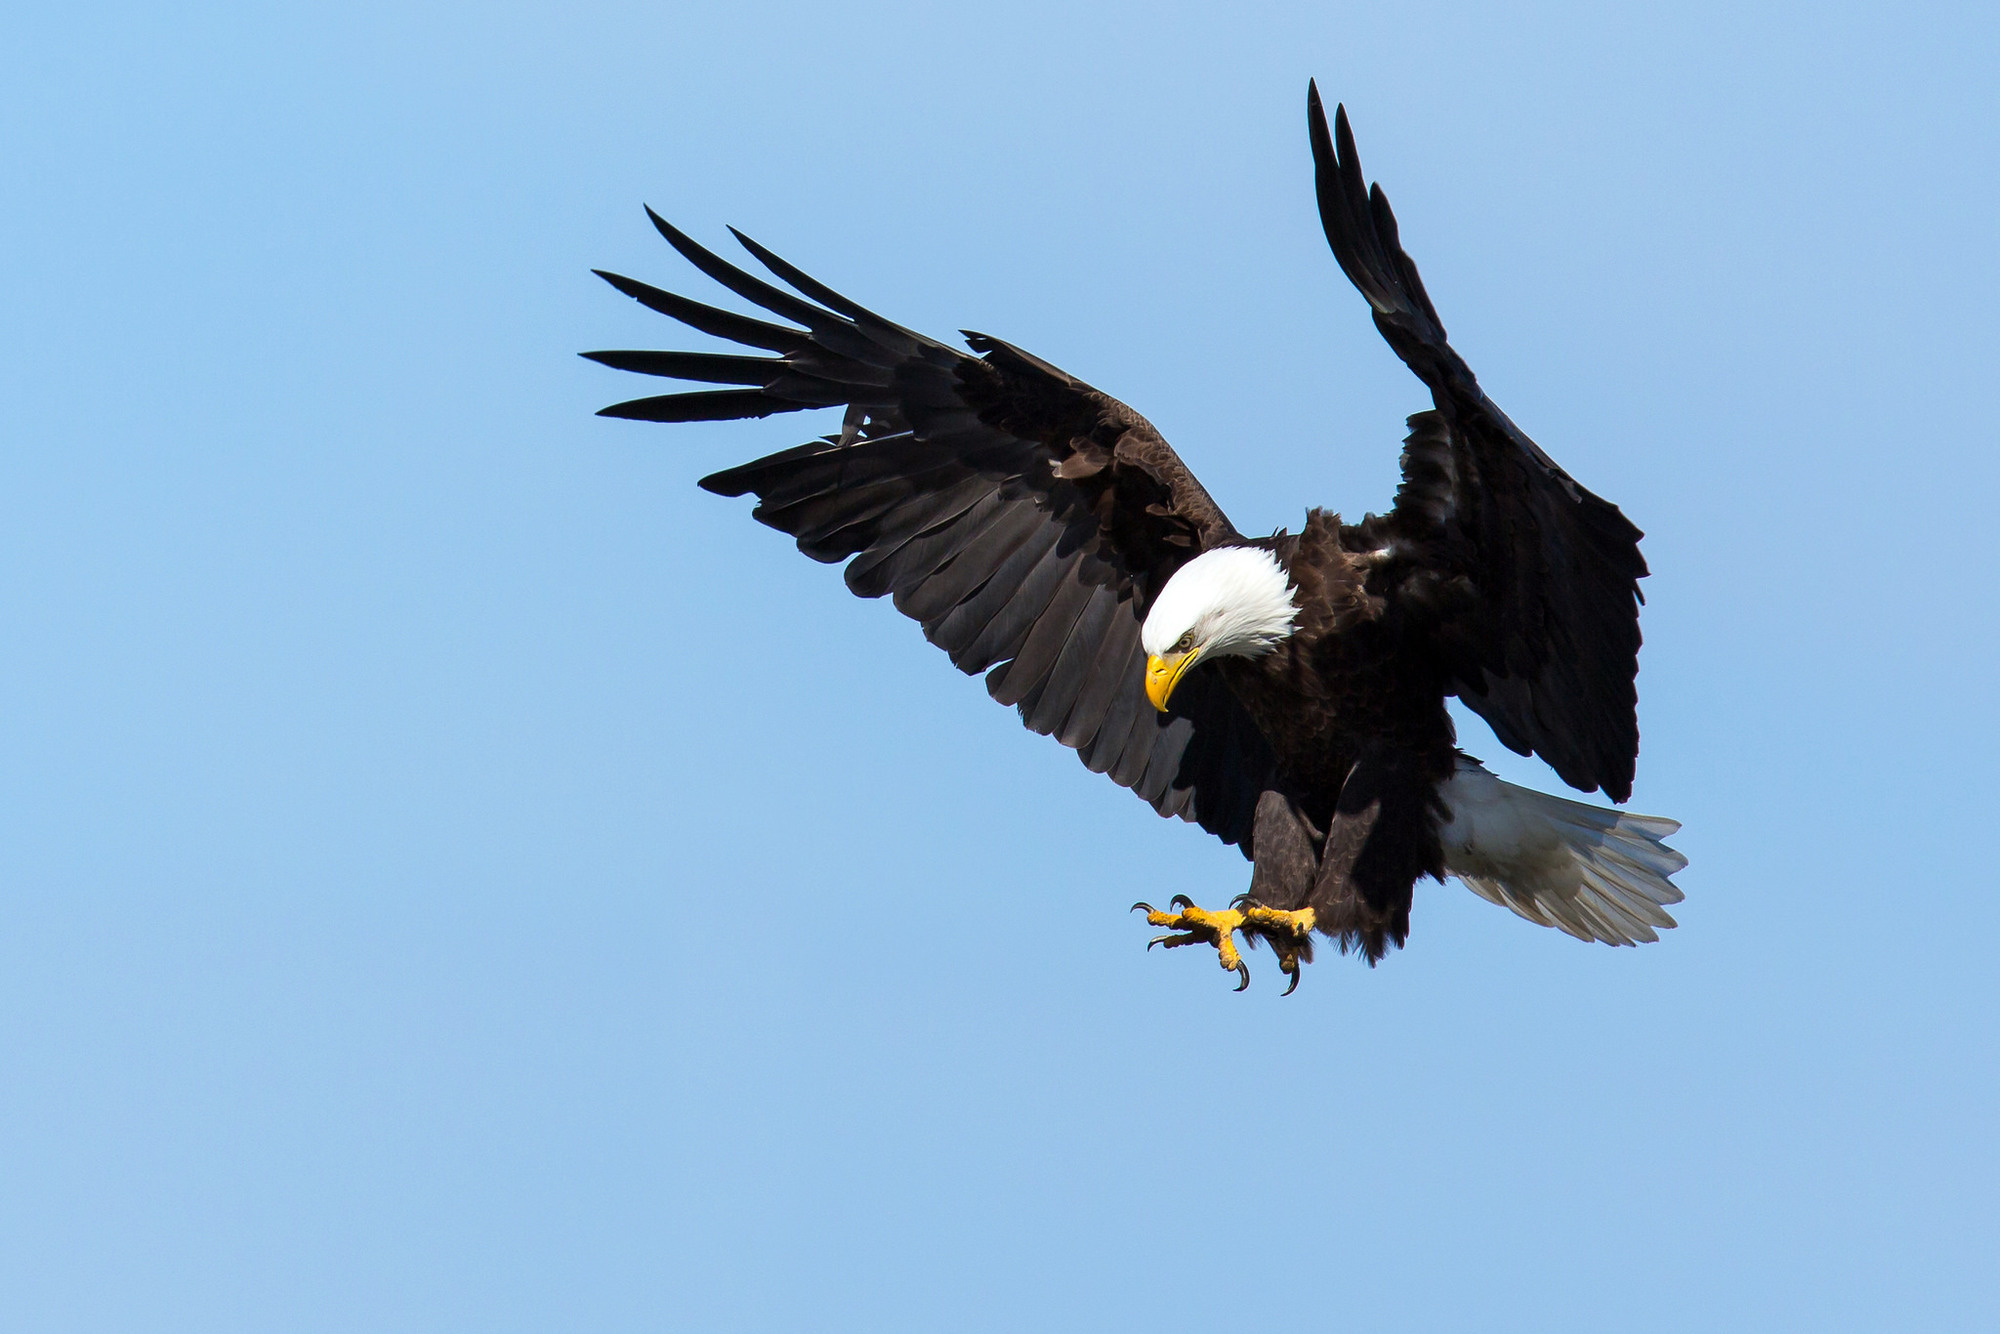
pixel 1598 874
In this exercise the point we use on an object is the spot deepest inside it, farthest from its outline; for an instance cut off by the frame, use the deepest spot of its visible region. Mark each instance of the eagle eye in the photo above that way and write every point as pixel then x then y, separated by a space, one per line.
pixel 1184 643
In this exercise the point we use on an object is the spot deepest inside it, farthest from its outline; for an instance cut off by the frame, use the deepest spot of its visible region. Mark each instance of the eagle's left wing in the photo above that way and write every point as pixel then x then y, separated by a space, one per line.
pixel 1534 581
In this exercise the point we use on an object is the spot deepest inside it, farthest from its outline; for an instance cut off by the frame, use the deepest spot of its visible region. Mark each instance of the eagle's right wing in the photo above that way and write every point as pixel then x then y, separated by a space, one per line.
pixel 1025 519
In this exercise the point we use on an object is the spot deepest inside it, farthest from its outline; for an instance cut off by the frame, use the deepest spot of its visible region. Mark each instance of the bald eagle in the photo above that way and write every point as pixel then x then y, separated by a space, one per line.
pixel 1286 693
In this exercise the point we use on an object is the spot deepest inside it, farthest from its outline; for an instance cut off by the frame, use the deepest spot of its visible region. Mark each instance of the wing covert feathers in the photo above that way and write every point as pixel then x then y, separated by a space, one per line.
pixel 1023 518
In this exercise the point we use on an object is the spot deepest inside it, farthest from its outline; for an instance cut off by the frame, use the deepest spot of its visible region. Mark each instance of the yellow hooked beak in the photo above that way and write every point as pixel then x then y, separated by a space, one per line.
pixel 1163 674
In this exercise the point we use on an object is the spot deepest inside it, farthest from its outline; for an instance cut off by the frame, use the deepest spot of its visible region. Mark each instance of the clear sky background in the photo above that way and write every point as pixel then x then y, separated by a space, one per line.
pixel 455 875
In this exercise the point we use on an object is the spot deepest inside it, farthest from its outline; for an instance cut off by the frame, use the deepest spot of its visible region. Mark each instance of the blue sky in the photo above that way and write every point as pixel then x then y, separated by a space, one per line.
pixel 456 875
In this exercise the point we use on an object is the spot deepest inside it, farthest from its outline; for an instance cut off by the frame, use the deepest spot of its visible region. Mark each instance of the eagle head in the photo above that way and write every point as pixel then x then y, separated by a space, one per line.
pixel 1230 602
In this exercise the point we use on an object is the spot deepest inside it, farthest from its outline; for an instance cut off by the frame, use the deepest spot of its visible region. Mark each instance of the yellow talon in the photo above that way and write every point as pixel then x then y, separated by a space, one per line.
pixel 1290 934
pixel 1199 926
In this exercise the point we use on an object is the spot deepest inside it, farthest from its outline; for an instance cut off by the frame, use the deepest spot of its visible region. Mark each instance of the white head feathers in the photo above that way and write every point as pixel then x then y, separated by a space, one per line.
pixel 1234 600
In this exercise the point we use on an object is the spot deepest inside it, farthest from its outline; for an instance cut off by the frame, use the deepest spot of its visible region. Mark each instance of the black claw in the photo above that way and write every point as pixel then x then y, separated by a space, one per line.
pixel 1297 973
pixel 1142 907
pixel 1244 969
pixel 1154 941
pixel 1180 901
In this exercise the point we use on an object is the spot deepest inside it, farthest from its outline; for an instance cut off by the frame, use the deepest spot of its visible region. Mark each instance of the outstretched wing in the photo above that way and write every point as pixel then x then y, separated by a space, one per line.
pixel 1025 519
pixel 1535 580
